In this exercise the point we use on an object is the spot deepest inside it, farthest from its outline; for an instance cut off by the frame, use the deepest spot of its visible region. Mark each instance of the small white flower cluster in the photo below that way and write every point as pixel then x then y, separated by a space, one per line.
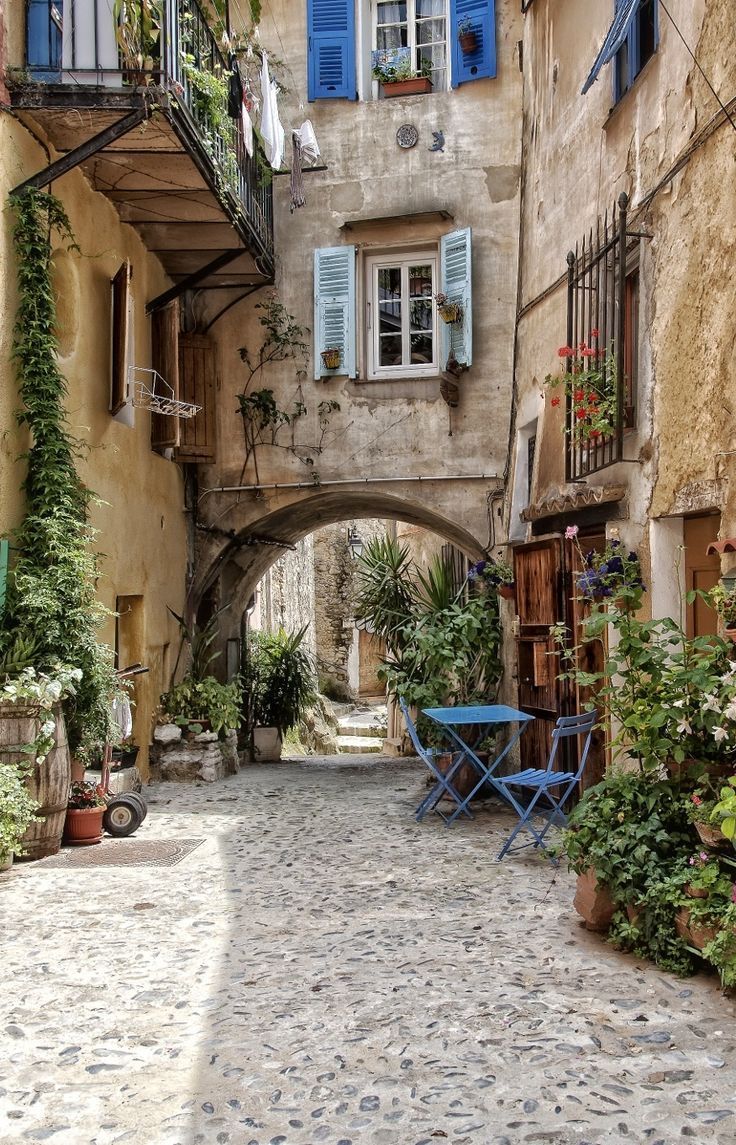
pixel 722 702
pixel 42 691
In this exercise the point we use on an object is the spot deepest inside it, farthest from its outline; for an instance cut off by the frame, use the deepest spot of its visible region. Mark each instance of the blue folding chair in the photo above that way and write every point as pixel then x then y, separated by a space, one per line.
pixel 544 784
pixel 443 780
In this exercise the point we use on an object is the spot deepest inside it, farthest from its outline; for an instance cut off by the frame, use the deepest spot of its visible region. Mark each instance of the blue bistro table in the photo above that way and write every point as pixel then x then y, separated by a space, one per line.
pixel 484 719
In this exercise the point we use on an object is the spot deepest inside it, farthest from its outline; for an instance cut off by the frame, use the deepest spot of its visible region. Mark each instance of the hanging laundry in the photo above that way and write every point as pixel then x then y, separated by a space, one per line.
pixel 122 715
pixel 296 182
pixel 247 126
pixel 235 89
pixel 308 141
pixel 271 129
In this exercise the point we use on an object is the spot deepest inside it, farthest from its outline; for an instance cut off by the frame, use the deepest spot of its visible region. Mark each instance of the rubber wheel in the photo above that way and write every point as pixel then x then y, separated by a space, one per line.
pixel 122 817
pixel 140 802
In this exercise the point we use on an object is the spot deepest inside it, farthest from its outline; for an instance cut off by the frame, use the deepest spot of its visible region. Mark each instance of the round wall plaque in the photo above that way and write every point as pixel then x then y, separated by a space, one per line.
pixel 407 135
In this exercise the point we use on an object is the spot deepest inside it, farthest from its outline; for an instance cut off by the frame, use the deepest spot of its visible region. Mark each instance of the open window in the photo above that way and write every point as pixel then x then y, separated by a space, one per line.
pixel 402 334
pixel 165 432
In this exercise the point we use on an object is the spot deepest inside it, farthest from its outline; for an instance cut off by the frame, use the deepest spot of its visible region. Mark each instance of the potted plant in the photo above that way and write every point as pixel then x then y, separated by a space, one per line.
pixel 331 358
pixel 589 384
pixel 202 705
pixel 138 35
pixel 467 36
pixel 17 811
pixel 394 70
pixel 449 310
pixel 278 687
pixel 723 599
pixel 495 574
pixel 611 574
pixel 85 809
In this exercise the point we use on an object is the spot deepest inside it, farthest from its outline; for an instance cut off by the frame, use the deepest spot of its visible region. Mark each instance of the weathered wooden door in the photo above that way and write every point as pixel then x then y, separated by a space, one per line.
pixel 539 575
pixel 545 595
pixel 702 570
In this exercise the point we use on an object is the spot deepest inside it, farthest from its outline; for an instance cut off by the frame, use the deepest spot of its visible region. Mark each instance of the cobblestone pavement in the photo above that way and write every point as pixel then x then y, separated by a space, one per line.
pixel 324 969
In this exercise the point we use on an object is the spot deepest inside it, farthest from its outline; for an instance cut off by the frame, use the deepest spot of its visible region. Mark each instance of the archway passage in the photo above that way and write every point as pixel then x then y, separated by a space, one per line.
pixel 243 555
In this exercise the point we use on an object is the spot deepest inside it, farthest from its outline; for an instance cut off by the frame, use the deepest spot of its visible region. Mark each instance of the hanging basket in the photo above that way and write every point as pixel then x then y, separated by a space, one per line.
pixel 450 311
pixel 331 358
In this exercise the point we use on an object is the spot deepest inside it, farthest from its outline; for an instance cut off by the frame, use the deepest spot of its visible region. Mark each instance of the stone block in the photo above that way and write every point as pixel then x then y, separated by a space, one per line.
pixel 167 733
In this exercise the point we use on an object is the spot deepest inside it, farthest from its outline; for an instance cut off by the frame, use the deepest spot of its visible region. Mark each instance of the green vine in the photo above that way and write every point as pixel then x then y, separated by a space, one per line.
pixel 51 599
pixel 263 418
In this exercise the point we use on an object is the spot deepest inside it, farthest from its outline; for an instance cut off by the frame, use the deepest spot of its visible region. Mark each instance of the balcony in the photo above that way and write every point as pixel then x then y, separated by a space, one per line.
pixel 138 99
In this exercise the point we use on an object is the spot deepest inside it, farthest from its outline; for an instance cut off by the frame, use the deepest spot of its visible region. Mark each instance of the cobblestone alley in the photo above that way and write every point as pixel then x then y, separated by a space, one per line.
pixel 313 966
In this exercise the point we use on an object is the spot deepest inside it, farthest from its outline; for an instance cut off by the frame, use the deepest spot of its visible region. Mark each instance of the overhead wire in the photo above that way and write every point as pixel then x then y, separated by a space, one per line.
pixel 691 53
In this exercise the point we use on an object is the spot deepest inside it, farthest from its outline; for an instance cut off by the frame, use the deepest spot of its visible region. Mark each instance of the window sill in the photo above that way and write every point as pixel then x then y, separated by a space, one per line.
pixel 425 388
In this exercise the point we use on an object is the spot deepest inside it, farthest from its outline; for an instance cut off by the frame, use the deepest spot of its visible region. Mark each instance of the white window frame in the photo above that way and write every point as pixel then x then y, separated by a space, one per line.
pixel 412 36
pixel 403 257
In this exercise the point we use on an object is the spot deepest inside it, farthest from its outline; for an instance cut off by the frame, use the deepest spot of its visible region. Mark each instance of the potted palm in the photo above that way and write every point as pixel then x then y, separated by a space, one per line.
pixel 278 687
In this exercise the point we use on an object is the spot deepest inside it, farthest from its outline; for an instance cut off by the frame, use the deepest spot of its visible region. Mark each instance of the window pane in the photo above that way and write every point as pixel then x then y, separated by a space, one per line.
pixel 430 31
pixel 389 283
pixel 421 316
pixel 396 37
pixel 430 8
pixel 420 281
pixel 390 350
pixel 421 348
pixel 389 317
pixel 391 13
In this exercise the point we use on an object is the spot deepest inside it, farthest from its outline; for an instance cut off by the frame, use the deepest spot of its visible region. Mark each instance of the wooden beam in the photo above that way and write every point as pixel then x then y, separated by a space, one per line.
pixel 192 279
pixel 73 158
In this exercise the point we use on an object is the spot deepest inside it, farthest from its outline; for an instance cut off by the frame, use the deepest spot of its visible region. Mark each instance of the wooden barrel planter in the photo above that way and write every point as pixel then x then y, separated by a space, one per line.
pixel 47 783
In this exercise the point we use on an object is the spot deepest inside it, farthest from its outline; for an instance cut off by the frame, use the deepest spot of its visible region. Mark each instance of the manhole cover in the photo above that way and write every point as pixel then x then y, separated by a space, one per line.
pixel 121 853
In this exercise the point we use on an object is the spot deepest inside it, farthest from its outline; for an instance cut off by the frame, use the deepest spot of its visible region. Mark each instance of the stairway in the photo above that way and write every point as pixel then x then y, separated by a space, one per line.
pixel 362 728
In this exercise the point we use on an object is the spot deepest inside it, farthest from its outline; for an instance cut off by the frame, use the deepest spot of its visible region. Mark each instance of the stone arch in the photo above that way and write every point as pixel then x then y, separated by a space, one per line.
pixel 243 557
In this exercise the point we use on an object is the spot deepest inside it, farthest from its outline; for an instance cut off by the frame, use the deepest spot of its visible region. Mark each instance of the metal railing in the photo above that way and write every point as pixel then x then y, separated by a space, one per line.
pixel 596 285
pixel 166 44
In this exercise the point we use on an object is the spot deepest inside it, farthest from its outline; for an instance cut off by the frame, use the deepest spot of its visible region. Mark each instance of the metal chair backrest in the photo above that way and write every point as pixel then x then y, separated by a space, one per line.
pixel 566 726
pixel 420 749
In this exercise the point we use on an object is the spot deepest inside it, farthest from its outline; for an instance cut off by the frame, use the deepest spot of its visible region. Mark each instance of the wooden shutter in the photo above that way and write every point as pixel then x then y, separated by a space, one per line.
pixel 481 62
pixel 165 359
pixel 331 49
pixel 119 338
pixel 334 309
pixel 198 385
pixel 456 283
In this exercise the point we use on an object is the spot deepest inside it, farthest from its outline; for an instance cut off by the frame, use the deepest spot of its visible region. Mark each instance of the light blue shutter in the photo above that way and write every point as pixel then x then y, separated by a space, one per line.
pixel 615 36
pixel 455 282
pixel 4 550
pixel 480 63
pixel 334 309
pixel 331 50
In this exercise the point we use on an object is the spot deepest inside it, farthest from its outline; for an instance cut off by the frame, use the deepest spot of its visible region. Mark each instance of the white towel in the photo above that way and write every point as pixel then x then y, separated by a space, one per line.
pixel 247 129
pixel 308 141
pixel 271 129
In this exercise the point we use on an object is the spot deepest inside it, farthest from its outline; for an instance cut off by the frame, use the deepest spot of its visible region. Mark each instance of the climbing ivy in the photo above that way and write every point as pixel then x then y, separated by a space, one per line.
pixel 51 589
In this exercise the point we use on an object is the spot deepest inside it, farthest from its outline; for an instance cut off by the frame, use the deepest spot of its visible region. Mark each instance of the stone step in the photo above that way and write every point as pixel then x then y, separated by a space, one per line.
pixel 348 727
pixel 358 745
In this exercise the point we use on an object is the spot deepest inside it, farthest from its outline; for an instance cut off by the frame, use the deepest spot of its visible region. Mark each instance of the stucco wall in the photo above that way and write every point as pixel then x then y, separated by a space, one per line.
pixel 579 154
pixel 386 430
pixel 139 515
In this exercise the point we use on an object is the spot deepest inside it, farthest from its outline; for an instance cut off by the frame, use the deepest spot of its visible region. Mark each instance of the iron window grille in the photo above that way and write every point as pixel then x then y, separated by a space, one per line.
pixel 602 296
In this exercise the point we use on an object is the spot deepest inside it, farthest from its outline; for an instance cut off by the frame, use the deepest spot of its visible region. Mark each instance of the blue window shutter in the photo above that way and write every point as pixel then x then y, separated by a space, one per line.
pixel 4 550
pixel 334 309
pixel 456 283
pixel 43 39
pixel 625 12
pixel 480 63
pixel 331 50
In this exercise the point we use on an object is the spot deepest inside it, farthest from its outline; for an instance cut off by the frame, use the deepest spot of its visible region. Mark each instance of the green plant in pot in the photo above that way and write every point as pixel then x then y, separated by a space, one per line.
pixel 17 810
pixel 203 705
pixel 279 685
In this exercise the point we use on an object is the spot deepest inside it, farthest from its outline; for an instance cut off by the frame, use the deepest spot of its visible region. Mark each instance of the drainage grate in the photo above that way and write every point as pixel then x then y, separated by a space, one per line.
pixel 119 853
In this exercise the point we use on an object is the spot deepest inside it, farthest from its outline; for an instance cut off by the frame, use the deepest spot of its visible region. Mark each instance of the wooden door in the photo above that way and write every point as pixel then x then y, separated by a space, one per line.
pixel 545 573
pixel 539 576
pixel 702 571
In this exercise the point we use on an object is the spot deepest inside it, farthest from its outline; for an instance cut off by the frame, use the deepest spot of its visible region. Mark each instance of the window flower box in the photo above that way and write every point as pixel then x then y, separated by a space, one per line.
pixel 415 85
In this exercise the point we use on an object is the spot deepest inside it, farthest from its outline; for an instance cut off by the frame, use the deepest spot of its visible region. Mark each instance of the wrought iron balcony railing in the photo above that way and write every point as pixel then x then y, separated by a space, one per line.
pixel 167 47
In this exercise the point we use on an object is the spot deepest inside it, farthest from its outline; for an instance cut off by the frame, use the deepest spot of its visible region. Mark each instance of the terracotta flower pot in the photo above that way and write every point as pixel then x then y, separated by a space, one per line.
pixel 695 892
pixel 417 85
pixel 593 902
pixel 83 826
pixel 468 42
pixel 711 836
pixel 697 934
pixel 507 591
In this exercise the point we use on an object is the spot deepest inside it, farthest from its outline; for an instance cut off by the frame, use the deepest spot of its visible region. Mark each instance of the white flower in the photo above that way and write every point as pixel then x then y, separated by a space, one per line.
pixel 683 728
pixel 730 711
pixel 678 703
pixel 719 734
pixel 710 704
